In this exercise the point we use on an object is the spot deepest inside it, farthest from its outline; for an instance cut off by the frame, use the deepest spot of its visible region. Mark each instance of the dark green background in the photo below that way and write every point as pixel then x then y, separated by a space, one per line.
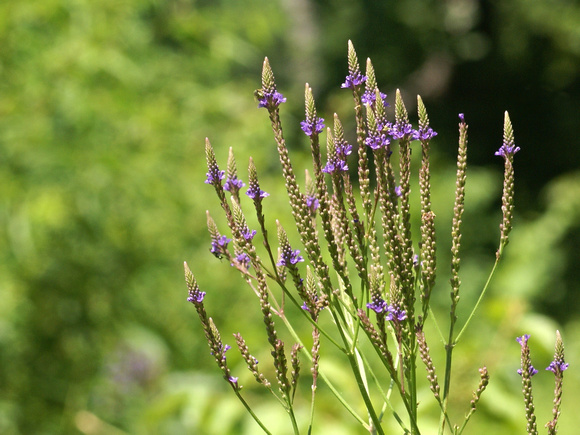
pixel 104 107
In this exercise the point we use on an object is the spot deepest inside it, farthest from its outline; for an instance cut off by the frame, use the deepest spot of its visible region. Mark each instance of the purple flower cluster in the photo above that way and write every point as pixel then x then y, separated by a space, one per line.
pixel 312 203
pixel 523 341
pixel 506 150
pixel 393 312
pixel 243 259
pixel 369 97
pixel 256 192
pixel 423 134
pixel 290 257
pixel 271 100
pixel 556 366
pixel 312 126
pixel 400 130
pixel 196 297
pixel 377 141
pixel 248 234
pixel 233 183
pixel 353 80
pixel 214 176
pixel 219 245
pixel 335 166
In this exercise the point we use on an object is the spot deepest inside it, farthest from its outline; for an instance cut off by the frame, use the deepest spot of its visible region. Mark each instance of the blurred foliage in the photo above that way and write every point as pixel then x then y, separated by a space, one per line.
pixel 104 106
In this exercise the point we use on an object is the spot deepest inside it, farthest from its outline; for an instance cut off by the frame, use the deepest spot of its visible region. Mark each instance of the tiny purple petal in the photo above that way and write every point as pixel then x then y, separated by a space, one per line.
pixel 196 297
pixel 312 127
pixel 233 183
pixel 256 193
pixel 271 100
pixel 398 191
pixel 352 81
pixel 462 117
pixel 312 203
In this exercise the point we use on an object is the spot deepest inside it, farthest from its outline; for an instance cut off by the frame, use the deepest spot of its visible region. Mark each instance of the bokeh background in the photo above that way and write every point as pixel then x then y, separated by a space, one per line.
pixel 104 107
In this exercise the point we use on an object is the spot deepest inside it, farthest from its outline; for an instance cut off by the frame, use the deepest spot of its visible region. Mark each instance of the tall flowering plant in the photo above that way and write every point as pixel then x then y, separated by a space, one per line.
pixel 357 264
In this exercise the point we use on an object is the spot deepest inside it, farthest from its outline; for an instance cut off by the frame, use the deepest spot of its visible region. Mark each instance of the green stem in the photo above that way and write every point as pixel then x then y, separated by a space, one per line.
pixel 480 297
pixel 254 416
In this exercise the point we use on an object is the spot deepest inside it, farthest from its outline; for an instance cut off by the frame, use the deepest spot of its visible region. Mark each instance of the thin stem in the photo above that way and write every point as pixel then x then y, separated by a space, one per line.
pixel 254 416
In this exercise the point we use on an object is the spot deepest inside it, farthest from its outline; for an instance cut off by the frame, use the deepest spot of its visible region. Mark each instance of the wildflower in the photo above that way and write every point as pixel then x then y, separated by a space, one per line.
pixel 243 259
pixel 396 313
pixel 233 183
pixel 248 234
pixel 312 202
pixel 214 176
pixel 370 96
pixel 271 100
pixel 353 80
pixel 219 245
pixel 377 141
pixel 312 126
pixel 290 257
pixel 196 296
pixel 256 192
pixel 401 129
pixel 378 306
pixel 336 166
pixel 423 134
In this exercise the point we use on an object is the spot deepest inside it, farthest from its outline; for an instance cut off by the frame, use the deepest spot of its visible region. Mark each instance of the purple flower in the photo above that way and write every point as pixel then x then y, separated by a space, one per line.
pixel 369 97
pixel 398 191
pixel 312 203
pixel 312 126
pixel 219 245
pixel 290 257
pixel 400 130
pixel 233 183
pixel 353 80
pixel 506 149
pixel 377 141
pixel 523 340
pixel 556 366
pixel 271 100
pixel 214 176
pixel 424 134
pixel 196 297
pixel 243 259
pixel 378 306
pixel 462 117
pixel 256 192
pixel 336 166
pixel 396 313
pixel 531 370
pixel 248 234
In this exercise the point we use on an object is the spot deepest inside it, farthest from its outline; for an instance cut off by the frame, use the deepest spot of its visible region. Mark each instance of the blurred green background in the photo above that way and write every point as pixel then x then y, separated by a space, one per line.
pixel 104 107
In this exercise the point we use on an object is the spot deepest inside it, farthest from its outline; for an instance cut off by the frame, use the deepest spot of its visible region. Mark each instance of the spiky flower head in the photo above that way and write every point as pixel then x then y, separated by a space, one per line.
pixel 424 133
pixel 526 371
pixel 354 77
pixel 214 175
pixel 401 128
pixel 372 92
pixel 335 162
pixel 558 365
pixel 312 124
pixel 268 96
pixel 254 190
pixel 233 184
pixel 508 147
pixel 195 294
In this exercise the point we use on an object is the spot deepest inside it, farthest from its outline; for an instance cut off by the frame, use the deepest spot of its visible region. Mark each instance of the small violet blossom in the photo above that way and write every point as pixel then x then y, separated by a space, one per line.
pixel 556 366
pixel 311 127
pixel 506 150
pixel 312 203
pixel 353 80
pixel 233 183
pixel 369 97
pixel 256 192
pixel 219 245
pixel 214 176
pixel 243 259
pixel 290 258
pixel 196 297
pixel 271 100
pixel 248 234
pixel 423 134
pixel 400 130
pixel 337 166
pixel 377 141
